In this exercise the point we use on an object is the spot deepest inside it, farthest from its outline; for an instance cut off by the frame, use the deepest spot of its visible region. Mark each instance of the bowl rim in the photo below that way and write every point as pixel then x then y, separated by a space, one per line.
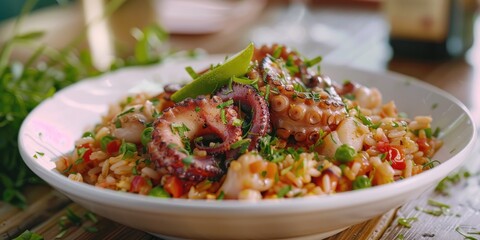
pixel 296 205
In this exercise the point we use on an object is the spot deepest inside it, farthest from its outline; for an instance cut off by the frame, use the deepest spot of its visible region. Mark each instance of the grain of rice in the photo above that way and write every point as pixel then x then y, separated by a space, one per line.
pixel 98 156
pixel 418 154
pixel 121 170
pixel 379 135
pixel 396 134
pixel 356 168
pixel 199 153
pixel 83 141
pixel 62 164
pixel 369 140
pixel 317 191
pixel 105 168
pixel 294 180
pixel 249 195
pixel 193 193
pixel 348 173
pixel 210 196
pixel 94 171
pixel 123 185
pixel 305 178
pixel 110 180
pixel 389 109
pixel 104 131
pixel 117 165
pixel 326 184
pixel 314 172
pixel 77 177
pixel 408 169
pixel 146 171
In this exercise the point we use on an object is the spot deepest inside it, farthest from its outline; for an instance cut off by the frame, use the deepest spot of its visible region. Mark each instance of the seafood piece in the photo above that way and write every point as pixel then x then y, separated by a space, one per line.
pixel 190 119
pixel 250 101
pixel 302 105
pixel 129 124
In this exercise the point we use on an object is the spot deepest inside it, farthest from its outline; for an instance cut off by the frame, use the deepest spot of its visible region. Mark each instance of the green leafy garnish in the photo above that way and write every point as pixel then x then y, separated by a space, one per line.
pixel 28 235
pixel 283 191
pixel 406 222
pixel 147 135
pixel 127 149
pixel 217 77
pixel 191 72
pixel 159 192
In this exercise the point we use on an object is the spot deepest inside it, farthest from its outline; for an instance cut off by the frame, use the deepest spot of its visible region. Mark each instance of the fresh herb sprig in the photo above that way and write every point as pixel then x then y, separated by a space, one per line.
pixel 24 85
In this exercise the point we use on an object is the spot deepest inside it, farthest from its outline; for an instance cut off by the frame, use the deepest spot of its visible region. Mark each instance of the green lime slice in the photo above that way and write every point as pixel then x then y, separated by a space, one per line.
pixel 208 82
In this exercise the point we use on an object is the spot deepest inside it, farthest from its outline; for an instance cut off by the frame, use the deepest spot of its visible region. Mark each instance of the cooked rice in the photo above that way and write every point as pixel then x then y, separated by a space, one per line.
pixel 308 174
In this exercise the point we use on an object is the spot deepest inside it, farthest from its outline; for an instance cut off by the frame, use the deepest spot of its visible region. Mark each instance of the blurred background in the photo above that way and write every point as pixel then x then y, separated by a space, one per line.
pixel 433 40
pixel 407 36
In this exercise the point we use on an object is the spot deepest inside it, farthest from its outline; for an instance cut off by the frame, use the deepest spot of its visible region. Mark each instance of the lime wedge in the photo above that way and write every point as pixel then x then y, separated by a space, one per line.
pixel 208 82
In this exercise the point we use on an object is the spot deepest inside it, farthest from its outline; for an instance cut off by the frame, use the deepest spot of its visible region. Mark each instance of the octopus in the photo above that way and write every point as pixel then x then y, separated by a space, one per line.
pixel 188 120
pixel 251 102
pixel 211 125
pixel 302 104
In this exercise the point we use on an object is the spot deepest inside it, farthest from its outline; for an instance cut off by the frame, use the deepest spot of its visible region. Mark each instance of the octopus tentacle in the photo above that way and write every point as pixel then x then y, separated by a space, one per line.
pixel 300 106
pixel 185 121
pixel 250 101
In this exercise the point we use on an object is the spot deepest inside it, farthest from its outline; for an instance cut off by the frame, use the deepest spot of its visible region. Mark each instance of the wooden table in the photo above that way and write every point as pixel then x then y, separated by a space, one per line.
pixel 361 43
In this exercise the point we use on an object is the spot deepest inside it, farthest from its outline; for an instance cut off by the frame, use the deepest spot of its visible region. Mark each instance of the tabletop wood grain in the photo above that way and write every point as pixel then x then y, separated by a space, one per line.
pixel 362 43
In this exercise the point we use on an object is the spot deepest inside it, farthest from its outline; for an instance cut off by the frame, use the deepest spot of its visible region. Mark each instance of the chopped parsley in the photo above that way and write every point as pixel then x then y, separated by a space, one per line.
pixel 445 183
pixel 128 149
pixel 29 235
pixel 242 145
pixel 221 196
pixel 407 222
pixel 180 129
pixel 283 191
pixel 38 154
pixel 439 208
pixel 130 110
pixel 277 52
pixel 466 231
pixel 147 135
pixel 244 80
pixel 187 160
pixel 314 61
pixel 191 72
pixel 88 134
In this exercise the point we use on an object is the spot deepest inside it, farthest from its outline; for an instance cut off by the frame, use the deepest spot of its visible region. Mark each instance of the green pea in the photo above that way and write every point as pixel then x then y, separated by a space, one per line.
pixel 361 182
pixel 345 153
pixel 159 192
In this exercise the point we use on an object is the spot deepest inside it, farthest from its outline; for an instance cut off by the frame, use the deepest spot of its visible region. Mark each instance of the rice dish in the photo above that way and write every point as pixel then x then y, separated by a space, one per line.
pixel 266 124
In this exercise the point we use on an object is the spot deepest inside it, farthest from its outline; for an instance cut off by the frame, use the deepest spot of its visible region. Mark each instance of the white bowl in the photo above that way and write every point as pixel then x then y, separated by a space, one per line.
pixel 55 124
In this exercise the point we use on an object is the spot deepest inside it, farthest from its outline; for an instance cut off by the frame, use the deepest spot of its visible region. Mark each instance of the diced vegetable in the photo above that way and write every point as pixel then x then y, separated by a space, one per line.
pixel 113 146
pixel 174 186
pixel 137 184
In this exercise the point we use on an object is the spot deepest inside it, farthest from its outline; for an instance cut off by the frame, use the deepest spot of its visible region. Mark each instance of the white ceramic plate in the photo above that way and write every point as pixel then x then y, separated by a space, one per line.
pixel 55 124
